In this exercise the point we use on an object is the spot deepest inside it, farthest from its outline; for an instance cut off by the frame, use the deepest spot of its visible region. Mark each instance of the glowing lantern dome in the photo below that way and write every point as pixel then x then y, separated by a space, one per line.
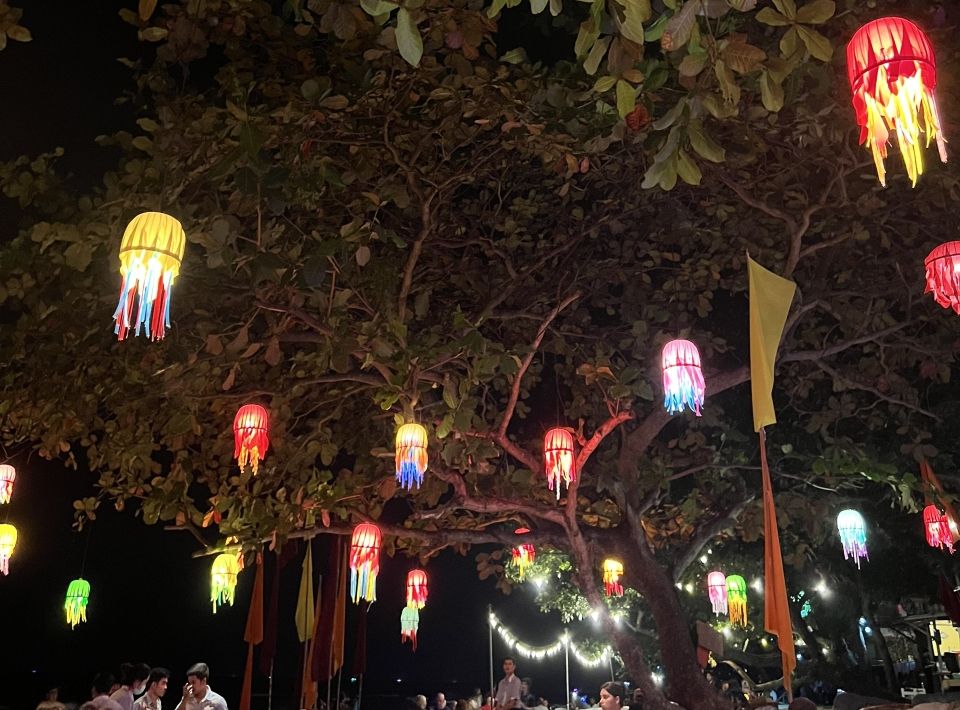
pixel 75 604
pixel 612 572
pixel 892 72
pixel 223 579
pixel 8 541
pixel 942 267
pixel 737 600
pixel 558 458
pixel 364 562
pixel 683 384
pixel 411 455
pixel 150 254
pixel 937 528
pixel 416 588
pixel 853 535
pixel 717 591
pixel 409 624
pixel 251 435
pixel 8 474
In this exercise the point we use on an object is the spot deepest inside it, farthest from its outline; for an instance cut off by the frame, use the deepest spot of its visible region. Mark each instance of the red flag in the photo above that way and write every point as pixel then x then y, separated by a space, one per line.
pixel 253 634
pixel 324 638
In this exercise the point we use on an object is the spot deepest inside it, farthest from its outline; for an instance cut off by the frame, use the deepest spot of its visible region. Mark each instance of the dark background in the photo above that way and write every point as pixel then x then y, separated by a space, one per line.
pixel 150 598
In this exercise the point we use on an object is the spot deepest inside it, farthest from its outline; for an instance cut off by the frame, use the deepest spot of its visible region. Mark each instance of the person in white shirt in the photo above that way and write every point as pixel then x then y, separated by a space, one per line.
pixel 156 688
pixel 133 679
pixel 197 693
pixel 508 689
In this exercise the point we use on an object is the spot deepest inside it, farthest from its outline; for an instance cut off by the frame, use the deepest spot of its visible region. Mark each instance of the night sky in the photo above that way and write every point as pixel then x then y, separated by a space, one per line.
pixel 150 598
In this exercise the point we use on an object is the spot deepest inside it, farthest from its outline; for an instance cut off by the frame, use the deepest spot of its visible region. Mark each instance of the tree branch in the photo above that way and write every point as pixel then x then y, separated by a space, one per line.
pixel 836 374
pixel 599 435
pixel 525 363
pixel 491 504
pixel 705 533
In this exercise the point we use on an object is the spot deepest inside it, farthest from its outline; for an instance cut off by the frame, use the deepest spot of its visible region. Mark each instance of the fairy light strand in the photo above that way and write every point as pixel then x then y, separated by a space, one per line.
pixel 538 653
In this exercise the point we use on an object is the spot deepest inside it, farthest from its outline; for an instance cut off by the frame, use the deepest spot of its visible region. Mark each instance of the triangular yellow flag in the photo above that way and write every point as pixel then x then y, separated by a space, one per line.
pixel 770 298
pixel 304 613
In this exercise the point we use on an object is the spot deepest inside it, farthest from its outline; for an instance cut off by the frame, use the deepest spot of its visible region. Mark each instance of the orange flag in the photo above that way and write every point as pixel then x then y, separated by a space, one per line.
pixel 253 634
pixel 776 606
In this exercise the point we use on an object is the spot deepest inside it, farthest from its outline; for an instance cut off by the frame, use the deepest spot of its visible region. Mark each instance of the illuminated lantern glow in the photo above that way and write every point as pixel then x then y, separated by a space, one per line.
pixel 737 600
pixel 683 384
pixel 75 604
pixel 416 588
pixel 150 254
pixel 892 72
pixel 223 579
pixel 558 458
pixel 523 557
pixel 937 527
pixel 612 572
pixel 409 623
pixel 364 562
pixel 411 455
pixel 943 275
pixel 251 435
pixel 853 535
pixel 717 591
pixel 8 541
pixel 8 475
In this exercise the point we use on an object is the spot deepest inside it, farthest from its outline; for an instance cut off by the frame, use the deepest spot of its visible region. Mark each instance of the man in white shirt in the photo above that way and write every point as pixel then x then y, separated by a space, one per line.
pixel 197 693
pixel 508 689
pixel 156 687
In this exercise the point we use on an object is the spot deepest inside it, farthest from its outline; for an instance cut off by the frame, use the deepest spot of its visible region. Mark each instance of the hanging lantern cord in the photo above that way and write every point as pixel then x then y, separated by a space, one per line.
pixel 86 549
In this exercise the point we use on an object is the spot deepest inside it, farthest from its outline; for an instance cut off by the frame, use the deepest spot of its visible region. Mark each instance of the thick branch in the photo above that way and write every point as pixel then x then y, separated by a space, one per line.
pixel 491 504
pixel 599 435
pixel 525 363
pixel 704 534
pixel 517 452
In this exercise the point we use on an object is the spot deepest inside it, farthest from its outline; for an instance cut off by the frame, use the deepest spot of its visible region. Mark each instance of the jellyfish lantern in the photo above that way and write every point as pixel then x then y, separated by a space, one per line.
pixel 364 562
pixel 942 267
pixel 937 528
pixel 251 435
pixel 558 458
pixel 853 535
pixel 416 589
pixel 75 604
pixel 683 384
pixel 612 572
pixel 411 455
pixel 8 541
pixel 737 600
pixel 717 591
pixel 223 579
pixel 8 475
pixel 409 623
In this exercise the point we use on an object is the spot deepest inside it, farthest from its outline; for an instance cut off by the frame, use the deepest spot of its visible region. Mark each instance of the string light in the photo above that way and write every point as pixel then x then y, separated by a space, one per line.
pixel 538 653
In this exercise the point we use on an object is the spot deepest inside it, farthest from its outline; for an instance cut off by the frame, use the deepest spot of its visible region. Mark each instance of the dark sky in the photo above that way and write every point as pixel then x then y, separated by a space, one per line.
pixel 149 597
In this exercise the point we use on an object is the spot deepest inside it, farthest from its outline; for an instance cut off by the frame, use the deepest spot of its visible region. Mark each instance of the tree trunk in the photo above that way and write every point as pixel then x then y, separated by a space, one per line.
pixel 878 641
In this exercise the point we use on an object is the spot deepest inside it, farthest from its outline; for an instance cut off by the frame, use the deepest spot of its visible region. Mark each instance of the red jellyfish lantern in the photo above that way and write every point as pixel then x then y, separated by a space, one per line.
pixel 524 554
pixel 7 476
pixel 558 458
pixel 251 429
pixel 364 562
pixel 937 527
pixel 717 590
pixel 893 73
pixel 683 384
pixel 943 275
pixel 416 589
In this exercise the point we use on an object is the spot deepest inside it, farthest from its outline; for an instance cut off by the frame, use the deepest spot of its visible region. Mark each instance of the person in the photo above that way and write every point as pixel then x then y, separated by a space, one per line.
pixel 100 692
pixel 133 679
pixel 197 693
pixel 439 702
pixel 421 702
pixel 508 689
pixel 156 688
pixel 612 696
pixel 802 704
pixel 477 697
pixel 527 698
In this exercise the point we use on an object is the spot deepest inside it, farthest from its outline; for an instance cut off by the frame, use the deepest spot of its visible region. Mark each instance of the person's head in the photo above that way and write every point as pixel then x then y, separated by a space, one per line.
pixel 525 685
pixel 197 677
pixel 509 666
pixel 102 683
pixel 802 704
pixel 134 676
pixel 157 682
pixel 463 705
pixel 421 701
pixel 612 695
pixel 53 695
pixel 440 700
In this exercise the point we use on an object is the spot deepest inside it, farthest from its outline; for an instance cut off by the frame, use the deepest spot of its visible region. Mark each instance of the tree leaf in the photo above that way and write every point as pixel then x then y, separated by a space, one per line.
pixel 769 16
pixel 771 92
pixel 538 6
pixel 626 98
pixel 376 8
pixel 409 41
pixel 743 58
pixel 728 84
pixel 363 255
pixel 597 52
pixel 687 168
pixel 146 8
pixel 635 14
pixel 273 355
pixel 154 34
pixel 704 146
pixel 787 7
pixel 604 83
pixel 818 45
pixel 19 33
pixel 692 64
pixel 78 256
pixel 679 27
pixel 816 12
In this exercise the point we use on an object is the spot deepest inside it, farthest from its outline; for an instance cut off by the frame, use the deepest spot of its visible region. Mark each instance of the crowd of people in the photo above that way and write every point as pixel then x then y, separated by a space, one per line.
pixel 140 687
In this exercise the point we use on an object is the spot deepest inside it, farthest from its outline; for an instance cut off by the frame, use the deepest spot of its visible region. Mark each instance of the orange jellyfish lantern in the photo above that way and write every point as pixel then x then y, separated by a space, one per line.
pixel 150 254
pixel 364 562
pixel 612 572
pixel 893 73
pixel 943 275
pixel 558 458
pixel 937 527
pixel 717 591
pixel 523 556
pixel 683 384
pixel 8 541
pixel 8 475
pixel 416 589
pixel 251 429
pixel 411 455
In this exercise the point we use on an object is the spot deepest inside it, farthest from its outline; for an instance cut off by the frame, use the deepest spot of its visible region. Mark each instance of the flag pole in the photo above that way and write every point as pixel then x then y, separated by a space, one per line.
pixel 490 639
pixel 566 660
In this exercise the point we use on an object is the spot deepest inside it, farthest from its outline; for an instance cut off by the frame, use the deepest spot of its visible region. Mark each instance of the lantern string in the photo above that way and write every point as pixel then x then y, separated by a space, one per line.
pixel 86 549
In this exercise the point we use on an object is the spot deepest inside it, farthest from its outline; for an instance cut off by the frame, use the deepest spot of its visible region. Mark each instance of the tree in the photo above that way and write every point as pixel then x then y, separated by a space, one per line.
pixel 472 243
